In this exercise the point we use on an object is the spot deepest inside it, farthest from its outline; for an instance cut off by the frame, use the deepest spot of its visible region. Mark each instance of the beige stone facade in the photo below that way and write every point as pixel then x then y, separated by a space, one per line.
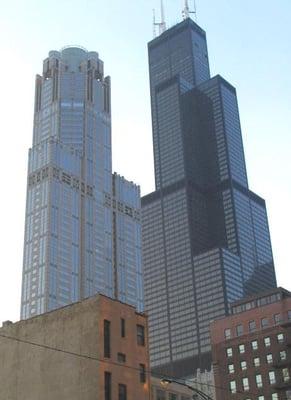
pixel 60 355
pixel 203 381
pixel 171 391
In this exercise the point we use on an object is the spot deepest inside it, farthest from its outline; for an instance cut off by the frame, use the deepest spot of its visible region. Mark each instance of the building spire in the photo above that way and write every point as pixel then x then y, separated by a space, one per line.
pixel 186 10
pixel 163 21
pixel 154 23
pixel 162 25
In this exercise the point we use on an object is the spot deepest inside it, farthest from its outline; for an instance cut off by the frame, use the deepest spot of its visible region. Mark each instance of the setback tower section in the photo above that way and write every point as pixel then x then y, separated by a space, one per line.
pixel 82 227
pixel 206 239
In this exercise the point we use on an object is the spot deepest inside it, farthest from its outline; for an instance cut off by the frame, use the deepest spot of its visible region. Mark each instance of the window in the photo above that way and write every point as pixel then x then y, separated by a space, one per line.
pixel 122 395
pixel 275 396
pixel 269 358
pixel 264 322
pixel 232 387
pixel 246 385
pixel 172 396
pixel 289 314
pixel 285 373
pixel 140 335
pixel 106 338
pixel 239 330
pixel 121 357
pixel 283 355
pixel 227 333
pixel 252 326
pixel 288 394
pixel 241 348
pixel 272 377
pixel 230 368
pixel 277 318
pixel 243 365
pixel 267 341
pixel 255 345
pixel 229 352
pixel 257 362
pixel 261 398
pixel 122 327
pixel 142 373
pixel 259 381
pixel 107 385
pixel 280 337
pixel 249 305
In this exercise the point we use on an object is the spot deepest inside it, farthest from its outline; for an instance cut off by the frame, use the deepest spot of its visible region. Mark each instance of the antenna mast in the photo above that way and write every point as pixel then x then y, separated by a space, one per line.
pixel 154 23
pixel 162 25
pixel 186 11
pixel 163 21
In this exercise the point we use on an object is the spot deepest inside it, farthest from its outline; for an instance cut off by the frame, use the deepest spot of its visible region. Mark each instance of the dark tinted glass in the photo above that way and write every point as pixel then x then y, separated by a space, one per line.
pixel 122 395
pixel 122 327
pixel 107 385
pixel 106 338
pixel 142 374
pixel 140 335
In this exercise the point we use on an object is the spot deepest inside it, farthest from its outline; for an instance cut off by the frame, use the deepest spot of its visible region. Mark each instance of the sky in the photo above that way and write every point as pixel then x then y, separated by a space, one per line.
pixel 248 44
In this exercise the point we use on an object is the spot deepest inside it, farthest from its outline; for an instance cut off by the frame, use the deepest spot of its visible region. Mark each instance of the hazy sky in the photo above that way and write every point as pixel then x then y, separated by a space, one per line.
pixel 249 44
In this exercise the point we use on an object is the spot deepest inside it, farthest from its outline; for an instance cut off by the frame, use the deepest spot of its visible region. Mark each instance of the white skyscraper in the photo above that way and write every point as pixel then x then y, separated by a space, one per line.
pixel 82 229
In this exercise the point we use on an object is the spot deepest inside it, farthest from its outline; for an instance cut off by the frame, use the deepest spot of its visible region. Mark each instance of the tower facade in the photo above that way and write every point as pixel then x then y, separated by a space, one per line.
pixel 206 240
pixel 82 228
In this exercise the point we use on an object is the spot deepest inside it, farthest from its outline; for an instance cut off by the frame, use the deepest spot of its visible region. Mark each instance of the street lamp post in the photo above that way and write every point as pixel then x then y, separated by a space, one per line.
pixel 197 395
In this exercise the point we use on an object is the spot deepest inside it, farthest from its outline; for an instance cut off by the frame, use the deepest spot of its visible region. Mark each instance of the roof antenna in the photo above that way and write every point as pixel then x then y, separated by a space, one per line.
pixel 154 23
pixel 162 25
pixel 186 11
pixel 163 21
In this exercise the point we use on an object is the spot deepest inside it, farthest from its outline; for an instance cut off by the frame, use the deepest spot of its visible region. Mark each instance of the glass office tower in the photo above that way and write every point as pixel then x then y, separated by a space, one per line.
pixel 206 239
pixel 82 229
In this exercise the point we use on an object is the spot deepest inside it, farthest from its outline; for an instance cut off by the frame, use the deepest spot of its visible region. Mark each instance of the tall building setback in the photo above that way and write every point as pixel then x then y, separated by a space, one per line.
pixel 94 349
pixel 206 239
pixel 251 348
pixel 82 227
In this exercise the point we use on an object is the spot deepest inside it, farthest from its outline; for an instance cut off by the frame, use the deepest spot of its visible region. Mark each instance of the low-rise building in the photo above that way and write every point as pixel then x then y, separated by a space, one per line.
pixel 251 349
pixel 172 391
pixel 93 349
pixel 203 380
pixel 168 388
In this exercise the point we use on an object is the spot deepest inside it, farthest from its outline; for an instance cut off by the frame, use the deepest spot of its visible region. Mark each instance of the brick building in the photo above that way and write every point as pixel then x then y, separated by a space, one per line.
pixel 251 349
pixel 96 348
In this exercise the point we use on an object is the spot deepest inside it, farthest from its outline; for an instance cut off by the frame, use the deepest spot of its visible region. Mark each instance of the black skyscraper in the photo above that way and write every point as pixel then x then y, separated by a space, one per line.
pixel 205 234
